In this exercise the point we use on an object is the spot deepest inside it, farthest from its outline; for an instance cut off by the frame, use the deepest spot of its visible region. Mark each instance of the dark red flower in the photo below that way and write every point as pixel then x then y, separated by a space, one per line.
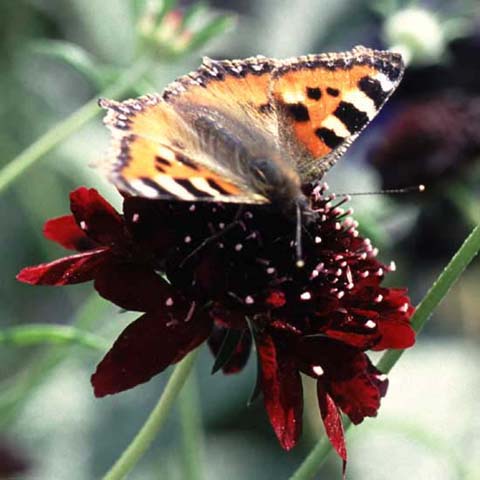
pixel 419 146
pixel 228 274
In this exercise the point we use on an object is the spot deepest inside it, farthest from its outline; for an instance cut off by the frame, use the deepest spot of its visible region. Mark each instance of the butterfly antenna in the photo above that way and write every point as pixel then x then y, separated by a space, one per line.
pixel 298 238
pixel 392 191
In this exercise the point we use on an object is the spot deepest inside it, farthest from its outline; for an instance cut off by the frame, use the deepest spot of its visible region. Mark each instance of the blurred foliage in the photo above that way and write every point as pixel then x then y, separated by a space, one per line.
pixel 55 55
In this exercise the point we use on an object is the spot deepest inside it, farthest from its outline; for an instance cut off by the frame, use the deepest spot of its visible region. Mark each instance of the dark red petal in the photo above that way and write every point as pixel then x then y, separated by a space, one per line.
pixel 332 422
pixel 363 341
pixel 338 360
pixel 65 231
pixel 146 347
pixel 95 216
pixel 133 287
pixel 395 333
pixel 240 355
pixel 282 390
pixel 66 271
pixel 358 397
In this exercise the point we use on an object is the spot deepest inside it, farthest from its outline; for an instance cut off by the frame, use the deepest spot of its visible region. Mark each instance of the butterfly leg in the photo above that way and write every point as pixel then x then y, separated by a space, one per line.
pixel 298 237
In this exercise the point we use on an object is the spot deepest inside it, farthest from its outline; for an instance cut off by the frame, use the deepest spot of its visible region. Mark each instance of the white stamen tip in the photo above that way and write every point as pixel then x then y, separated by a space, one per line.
pixel 249 300
pixel 318 370
pixel 318 240
pixel 393 266
pixel 169 302
pixel 340 294
pixel 135 218
pixel 187 239
pixel 404 308
pixel 83 225
pixel 238 247
pixel 270 270
pixel 370 324
pixel 378 298
pixel 306 296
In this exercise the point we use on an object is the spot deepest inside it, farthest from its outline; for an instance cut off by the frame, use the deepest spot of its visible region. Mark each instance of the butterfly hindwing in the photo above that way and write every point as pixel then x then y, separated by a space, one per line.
pixel 157 155
pixel 324 101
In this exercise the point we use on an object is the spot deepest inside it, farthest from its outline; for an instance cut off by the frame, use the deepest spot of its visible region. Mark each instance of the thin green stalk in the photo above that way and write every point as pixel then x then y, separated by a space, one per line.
pixel 148 432
pixel 80 117
pixel 192 438
pixel 26 335
pixel 14 394
pixel 465 254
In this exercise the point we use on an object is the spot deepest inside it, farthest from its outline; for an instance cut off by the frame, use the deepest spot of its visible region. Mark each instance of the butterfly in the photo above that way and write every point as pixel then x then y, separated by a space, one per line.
pixel 248 131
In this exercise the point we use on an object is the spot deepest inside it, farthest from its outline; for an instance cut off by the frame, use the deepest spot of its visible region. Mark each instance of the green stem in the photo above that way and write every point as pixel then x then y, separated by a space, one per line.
pixel 14 394
pixel 190 419
pixel 57 134
pixel 25 335
pixel 147 433
pixel 465 254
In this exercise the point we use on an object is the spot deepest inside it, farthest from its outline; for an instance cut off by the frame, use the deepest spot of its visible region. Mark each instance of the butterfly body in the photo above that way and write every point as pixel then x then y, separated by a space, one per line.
pixel 248 131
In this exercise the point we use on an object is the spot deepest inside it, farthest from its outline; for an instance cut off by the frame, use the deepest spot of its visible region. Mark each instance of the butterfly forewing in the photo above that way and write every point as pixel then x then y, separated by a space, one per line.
pixel 324 101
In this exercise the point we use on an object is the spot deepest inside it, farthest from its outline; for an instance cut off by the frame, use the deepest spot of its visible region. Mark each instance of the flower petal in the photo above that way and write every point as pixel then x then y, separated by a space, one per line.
pixel 358 397
pixel 133 287
pixel 282 390
pixel 332 422
pixel 149 345
pixel 66 271
pixel 396 332
pixel 65 231
pixel 96 216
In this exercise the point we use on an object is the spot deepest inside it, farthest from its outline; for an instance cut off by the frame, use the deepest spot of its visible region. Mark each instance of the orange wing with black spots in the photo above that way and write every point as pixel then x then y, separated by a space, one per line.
pixel 324 101
pixel 157 155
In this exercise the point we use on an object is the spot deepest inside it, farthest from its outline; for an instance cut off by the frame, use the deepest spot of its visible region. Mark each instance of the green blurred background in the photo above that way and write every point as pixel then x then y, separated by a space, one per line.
pixel 55 55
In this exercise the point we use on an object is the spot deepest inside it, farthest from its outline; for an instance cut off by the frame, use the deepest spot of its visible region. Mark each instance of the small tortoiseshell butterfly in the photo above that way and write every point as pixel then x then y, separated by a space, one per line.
pixel 248 131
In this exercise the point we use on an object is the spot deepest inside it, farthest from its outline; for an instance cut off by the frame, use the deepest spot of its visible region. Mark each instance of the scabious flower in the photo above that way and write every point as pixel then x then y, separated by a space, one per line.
pixel 429 141
pixel 227 274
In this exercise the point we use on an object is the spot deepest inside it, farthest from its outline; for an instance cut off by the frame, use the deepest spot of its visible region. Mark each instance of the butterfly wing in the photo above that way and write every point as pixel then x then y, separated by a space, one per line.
pixel 228 104
pixel 324 101
pixel 156 154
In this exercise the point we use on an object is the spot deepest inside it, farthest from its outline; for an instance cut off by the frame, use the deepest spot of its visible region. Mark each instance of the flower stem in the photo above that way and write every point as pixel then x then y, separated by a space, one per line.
pixel 190 418
pixel 465 254
pixel 147 433
pixel 62 130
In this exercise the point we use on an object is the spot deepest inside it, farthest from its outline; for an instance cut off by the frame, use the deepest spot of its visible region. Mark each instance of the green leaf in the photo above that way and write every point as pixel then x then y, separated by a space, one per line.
pixel 193 13
pixel 71 54
pixel 232 338
pixel 217 26
pixel 27 335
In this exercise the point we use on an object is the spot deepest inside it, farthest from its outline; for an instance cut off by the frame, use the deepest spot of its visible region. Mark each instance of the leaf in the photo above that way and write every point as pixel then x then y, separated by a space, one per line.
pixel 232 338
pixel 26 335
pixel 214 28
pixel 73 55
